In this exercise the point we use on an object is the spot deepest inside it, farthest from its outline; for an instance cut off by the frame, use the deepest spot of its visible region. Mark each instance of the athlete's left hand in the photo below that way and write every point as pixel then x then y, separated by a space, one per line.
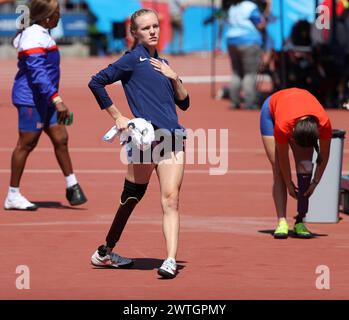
pixel 164 68
pixel 62 112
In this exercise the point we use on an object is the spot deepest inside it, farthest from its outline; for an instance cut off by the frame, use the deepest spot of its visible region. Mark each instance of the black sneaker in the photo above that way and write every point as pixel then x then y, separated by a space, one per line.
pixel 75 195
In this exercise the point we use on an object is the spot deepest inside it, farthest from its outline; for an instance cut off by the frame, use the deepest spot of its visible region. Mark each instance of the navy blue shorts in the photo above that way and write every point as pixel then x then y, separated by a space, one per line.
pixel 35 120
pixel 266 120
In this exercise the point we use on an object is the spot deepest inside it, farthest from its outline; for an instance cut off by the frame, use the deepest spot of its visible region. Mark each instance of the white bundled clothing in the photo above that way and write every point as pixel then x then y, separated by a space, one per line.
pixel 138 129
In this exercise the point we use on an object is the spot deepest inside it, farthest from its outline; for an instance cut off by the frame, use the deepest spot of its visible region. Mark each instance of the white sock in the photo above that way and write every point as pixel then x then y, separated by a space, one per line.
pixel 13 192
pixel 71 180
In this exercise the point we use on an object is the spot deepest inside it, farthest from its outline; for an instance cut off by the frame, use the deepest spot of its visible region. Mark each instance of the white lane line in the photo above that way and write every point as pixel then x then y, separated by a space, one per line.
pixel 117 148
pixel 78 80
pixel 156 220
pixel 123 171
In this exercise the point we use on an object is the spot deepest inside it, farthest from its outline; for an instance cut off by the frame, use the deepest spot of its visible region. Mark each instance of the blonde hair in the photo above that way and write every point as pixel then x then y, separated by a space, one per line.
pixel 41 9
pixel 135 15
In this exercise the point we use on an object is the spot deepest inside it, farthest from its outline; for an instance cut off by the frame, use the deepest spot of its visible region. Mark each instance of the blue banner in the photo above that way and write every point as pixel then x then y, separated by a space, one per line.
pixel 75 25
pixel 8 24
pixel 71 25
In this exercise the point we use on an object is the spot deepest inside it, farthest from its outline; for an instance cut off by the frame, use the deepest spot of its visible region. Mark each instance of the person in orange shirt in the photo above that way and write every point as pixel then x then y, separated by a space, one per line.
pixel 294 117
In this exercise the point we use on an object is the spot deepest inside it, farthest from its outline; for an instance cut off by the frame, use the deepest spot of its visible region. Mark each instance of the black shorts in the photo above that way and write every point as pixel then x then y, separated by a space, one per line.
pixel 160 149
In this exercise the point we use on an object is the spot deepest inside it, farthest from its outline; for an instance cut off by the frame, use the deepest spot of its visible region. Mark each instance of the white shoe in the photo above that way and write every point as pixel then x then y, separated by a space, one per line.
pixel 18 202
pixel 168 269
pixel 112 260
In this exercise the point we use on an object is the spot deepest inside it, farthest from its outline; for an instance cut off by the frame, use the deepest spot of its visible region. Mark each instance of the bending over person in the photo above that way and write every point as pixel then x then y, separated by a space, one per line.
pixel 294 118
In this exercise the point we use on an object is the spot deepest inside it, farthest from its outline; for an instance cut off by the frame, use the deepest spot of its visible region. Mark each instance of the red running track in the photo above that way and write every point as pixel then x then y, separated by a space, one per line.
pixel 226 247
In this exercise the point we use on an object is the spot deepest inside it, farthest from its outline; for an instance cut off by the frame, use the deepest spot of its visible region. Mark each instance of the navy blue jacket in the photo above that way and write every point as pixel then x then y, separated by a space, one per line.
pixel 149 93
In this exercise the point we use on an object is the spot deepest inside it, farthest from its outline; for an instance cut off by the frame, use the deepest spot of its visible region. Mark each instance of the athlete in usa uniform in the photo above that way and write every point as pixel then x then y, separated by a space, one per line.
pixel 39 105
pixel 152 90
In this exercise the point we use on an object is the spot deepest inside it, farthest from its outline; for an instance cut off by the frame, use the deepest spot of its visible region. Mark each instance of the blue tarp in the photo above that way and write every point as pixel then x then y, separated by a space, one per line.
pixel 292 12
pixel 198 37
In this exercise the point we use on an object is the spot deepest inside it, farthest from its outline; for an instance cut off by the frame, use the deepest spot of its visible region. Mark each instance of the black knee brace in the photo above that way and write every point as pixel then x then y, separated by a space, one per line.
pixel 133 191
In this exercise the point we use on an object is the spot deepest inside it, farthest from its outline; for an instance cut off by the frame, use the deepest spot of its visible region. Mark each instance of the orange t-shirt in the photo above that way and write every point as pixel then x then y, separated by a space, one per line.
pixel 287 105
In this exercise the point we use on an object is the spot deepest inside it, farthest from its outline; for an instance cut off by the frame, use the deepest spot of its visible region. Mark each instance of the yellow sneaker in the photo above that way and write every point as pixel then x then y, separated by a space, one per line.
pixel 281 231
pixel 301 231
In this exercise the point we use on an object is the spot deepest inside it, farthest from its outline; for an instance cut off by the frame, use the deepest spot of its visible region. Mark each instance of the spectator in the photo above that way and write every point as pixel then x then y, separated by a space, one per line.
pixel 176 15
pixel 244 40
